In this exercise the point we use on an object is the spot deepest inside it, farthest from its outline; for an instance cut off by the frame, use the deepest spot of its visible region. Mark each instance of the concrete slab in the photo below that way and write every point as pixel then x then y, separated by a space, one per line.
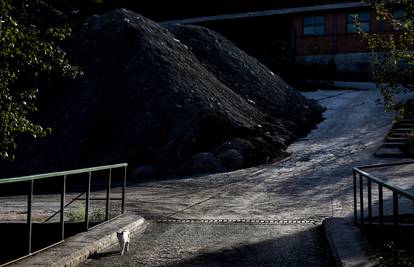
pixel 78 248
pixel 347 243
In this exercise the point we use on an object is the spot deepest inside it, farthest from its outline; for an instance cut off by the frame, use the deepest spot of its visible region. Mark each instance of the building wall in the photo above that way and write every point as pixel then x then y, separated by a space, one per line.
pixel 335 40
pixel 348 50
pixel 359 62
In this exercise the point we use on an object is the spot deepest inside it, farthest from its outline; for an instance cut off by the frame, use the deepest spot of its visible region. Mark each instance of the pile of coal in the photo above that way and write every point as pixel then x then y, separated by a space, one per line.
pixel 169 101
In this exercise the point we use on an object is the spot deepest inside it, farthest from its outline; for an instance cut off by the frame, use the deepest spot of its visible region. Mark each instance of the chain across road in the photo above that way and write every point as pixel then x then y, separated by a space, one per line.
pixel 235 221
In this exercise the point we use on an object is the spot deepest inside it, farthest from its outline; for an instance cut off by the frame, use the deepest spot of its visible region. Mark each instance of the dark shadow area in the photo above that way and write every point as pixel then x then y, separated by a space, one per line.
pixel 271 252
pixel 391 244
pixel 14 237
pixel 165 10
pixel 404 219
pixel 104 254
pixel 224 245
pixel 403 235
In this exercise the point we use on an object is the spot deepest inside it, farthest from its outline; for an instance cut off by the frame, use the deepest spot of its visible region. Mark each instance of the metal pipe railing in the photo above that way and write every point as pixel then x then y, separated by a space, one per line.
pixel 396 193
pixel 30 180
pixel 370 179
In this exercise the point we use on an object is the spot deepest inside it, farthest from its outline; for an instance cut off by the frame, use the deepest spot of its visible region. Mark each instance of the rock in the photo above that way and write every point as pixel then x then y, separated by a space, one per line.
pixel 243 146
pixel 264 151
pixel 205 163
pixel 231 159
pixel 237 144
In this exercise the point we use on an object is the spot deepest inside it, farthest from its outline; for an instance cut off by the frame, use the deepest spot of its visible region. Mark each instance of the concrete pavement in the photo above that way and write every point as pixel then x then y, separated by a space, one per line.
pixel 314 183
pixel 175 244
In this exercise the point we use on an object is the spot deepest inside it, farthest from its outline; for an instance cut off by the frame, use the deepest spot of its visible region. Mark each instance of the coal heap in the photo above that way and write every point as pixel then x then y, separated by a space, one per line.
pixel 169 101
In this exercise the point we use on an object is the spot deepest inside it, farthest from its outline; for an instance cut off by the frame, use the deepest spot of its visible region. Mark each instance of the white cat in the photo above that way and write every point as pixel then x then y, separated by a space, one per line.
pixel 124 240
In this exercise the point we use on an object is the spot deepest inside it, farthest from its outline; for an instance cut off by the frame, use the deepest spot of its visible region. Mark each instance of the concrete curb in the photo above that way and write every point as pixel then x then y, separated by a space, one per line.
pixel 347 244
pixel 78 248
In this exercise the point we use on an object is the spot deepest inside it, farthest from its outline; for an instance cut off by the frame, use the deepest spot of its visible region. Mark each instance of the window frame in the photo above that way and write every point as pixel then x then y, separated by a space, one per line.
pixel 350 20
pixel 399 15
pixel 314 24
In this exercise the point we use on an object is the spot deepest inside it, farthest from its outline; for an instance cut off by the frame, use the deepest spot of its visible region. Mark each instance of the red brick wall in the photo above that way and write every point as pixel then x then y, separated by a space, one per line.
pixel 341 42
pixel 350 43
pixel 341 23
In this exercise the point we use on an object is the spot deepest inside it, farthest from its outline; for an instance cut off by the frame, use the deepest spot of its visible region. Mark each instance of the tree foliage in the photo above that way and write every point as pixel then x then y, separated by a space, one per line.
pixel 28 53
pixel 393 50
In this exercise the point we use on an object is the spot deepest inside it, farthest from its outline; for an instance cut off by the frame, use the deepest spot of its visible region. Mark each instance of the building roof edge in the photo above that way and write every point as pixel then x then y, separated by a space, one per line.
pixel 272 12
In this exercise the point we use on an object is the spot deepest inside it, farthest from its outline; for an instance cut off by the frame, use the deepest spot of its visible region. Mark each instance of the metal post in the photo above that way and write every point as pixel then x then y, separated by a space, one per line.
pixel 62 207
pixel 108 195
pixel 293 40
pixel 361 198
pixel 381 205
pixel 369 202
pixel 123 191
pixel 395 223
pixel 88 193
pixel 395 254
pixel 395 208
pixel 29 215
pixel 355 200
pixel 335 30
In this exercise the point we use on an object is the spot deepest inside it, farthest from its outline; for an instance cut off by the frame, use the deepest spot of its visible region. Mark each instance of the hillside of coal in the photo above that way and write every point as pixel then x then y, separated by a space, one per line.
pixel 169 101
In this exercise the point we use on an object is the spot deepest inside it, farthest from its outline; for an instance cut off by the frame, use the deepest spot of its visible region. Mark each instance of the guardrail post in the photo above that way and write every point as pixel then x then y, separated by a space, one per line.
pixel 381 205
pixel 395 208
pixel 355 199
pixel 61 182
pixel 123 191
pixel 29 215
pixel 62 207
pixel 108 195
pixel 369 202
pixel 395 223
pixel 361 198
pixel 88 193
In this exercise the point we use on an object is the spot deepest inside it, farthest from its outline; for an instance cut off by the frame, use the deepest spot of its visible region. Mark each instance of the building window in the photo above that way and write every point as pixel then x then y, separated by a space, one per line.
pixel 314 25
pixel 399 16
pixel 362 18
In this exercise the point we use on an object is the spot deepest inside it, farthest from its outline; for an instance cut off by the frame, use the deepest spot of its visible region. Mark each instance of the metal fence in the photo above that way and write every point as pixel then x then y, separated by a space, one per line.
pixel 64 176
pixel 362 178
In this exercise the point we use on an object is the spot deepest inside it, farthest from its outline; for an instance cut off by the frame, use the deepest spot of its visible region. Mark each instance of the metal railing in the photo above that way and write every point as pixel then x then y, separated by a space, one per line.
pixel 397 192
pixel 64 175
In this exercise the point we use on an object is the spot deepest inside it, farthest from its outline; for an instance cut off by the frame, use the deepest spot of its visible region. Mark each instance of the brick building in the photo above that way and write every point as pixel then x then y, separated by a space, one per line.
pixel 325 35
pixel 312 32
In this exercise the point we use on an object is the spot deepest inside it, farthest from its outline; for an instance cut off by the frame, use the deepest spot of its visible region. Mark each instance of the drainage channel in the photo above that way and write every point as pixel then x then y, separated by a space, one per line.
pixel 235 221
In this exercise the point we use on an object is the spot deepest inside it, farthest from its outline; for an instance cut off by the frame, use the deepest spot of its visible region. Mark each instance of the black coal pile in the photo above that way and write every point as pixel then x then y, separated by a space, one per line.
pixel 169 101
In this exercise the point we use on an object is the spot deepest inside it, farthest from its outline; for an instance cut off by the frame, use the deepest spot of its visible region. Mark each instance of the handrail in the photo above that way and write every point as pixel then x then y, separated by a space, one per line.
pixel 66 205
pixel 396 193
pixel 63 175
pixel 400 191
pixel 384 165
pixel 57 174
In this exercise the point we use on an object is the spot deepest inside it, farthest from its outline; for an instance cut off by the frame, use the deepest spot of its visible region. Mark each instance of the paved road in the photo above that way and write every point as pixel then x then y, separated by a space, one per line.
pixel 312 184
pixel 223 245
